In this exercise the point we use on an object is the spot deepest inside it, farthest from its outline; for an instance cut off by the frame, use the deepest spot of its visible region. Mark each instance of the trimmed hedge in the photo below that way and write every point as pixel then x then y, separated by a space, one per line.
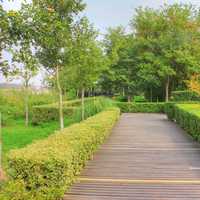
pixel 188 117
pixel 50 112
pixel 185 95
pixel 141 107
pixel 49 166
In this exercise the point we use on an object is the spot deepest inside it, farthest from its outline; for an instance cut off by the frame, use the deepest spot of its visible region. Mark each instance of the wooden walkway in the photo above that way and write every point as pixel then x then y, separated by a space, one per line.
pixel 147 157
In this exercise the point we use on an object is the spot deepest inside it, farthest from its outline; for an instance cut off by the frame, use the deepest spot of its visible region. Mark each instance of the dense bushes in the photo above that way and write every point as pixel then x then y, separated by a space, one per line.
pixel 47 167
pixel 46 113
pixel 188 117
pixel 141 107
pixel 185 95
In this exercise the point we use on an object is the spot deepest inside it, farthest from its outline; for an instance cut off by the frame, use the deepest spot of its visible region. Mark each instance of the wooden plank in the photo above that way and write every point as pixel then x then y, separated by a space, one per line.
pixel 147 157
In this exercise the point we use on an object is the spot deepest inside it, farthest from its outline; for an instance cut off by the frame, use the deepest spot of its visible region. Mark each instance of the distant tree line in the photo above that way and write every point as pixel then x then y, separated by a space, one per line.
pixel 159 54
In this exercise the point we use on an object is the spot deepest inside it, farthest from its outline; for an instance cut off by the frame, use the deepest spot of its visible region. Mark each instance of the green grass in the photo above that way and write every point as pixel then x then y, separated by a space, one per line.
pixel 191 108
pixel 16 135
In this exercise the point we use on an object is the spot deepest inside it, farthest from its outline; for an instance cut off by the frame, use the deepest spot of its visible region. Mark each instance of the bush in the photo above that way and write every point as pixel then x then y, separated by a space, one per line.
pixel 139 99
pixel 185 95
pixel 141 107
pixel 15 190
pixel 121 98
pixel 93 107
pixel 188 117
pixel 49 166
pixel 46 113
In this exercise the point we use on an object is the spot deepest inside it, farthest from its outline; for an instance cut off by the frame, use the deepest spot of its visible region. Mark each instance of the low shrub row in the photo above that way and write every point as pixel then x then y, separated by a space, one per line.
pixel 141 107
pixel 185 95
pixel 72 109
pixel 46 113
pixel 187 116
pixel 48 167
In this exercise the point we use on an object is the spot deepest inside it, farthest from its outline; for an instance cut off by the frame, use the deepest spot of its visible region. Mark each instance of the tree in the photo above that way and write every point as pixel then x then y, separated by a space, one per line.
pixel 25 66
pixel 121 51
pixel 4 36
pixel 170 39
pixel 87 60
pixel 52 27
pixel 194 83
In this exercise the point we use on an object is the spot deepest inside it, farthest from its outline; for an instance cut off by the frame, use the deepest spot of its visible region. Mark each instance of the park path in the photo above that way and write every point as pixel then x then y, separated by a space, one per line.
pixel 146 157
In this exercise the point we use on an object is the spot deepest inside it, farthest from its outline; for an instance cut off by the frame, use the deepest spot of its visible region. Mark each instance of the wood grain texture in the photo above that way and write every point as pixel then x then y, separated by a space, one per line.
pixel 146 157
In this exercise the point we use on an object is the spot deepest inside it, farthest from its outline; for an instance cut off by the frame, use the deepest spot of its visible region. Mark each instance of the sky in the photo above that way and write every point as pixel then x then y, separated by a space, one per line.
pixel 109 13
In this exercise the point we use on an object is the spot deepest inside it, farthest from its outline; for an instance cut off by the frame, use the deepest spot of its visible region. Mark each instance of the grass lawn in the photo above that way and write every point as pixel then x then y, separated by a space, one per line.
pixel 192 108
pixel 16 135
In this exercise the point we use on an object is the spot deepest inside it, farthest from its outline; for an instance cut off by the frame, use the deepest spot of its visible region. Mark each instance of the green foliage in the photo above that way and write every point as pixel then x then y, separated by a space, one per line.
pixel 12 102
pixel 72 109
pixel 16 135
pixel 141 107
pixel 47 113
pixel 120 98
pixel 93 107
pixel 15 190
pixel 139 99
pixel 185 95
pixel 61 156
pixel 188 117
pixel 121 76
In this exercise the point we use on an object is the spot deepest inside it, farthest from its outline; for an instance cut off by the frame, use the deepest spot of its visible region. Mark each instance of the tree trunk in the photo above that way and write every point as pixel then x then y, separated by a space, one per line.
pixel 151 94
pixel 129 98
pixel 167 90
pixel 26 103
pixel 123 92
pixel 83 103
pixel 77 94
pixel 61 118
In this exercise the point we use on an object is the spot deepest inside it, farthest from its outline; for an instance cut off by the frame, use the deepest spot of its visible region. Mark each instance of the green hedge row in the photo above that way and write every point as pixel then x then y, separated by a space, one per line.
pixel 141 107
pixel 187 117
pixel 50 112
pixel 49 166
pixel 185 95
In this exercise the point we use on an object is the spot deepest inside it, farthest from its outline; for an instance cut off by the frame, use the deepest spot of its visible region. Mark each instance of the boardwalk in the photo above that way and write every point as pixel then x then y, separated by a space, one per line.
pixel 147 157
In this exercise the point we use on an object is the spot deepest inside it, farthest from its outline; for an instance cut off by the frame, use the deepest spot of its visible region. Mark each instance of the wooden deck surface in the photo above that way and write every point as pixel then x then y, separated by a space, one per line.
pixel 146 157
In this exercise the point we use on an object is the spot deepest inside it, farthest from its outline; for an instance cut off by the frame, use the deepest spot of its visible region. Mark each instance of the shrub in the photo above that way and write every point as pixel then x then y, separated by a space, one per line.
pixel 49 166
pixel 141 107
pixel 93 107
pixel 48 113
pixel 139 99
pixel 188 117
pixel 15 190
pixel 121 98
pixel 185 95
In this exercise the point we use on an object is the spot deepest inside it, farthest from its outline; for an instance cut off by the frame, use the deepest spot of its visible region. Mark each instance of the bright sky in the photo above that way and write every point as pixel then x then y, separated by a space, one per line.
pixel 110 13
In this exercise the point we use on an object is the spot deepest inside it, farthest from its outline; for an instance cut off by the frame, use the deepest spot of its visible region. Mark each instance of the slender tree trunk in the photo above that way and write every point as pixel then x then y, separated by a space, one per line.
pixel 77 94
pixel 26 103
pixel 123 92
pixel 61 118
pixel 167 90
pixel 151 94
pixel 83 103
pixel 129 98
